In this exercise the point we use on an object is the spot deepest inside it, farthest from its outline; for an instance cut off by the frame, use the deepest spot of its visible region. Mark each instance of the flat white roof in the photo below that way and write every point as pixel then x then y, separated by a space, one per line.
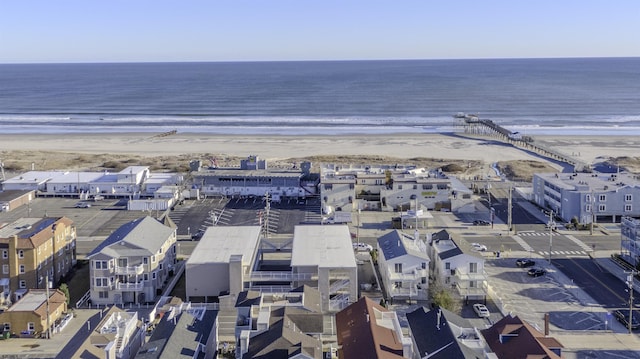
pixel 17 226
pixel 35 177
pixel 218 244
pixel 133 169
pixel 77 177
pixel 29 302
pixel 322 246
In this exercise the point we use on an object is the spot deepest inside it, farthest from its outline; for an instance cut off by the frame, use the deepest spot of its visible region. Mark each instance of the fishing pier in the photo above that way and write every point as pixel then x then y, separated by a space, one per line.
pixel 473 125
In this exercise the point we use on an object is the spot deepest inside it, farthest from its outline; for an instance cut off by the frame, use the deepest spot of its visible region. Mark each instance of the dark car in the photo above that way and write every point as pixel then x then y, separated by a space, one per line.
pixel 481 222
pixel 623 317
pixel 536 272
pixel 525 262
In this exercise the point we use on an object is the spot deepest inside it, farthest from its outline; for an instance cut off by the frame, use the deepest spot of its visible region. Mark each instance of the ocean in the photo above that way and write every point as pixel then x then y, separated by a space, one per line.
pixel 574 96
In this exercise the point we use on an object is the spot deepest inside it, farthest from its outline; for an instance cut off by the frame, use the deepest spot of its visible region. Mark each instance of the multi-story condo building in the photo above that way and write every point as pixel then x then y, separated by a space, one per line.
pixel 133 263
pixel 589 197
pixel 404 266
pixel 389 188
pixel 457 265
pixel 630 233
pixel 33 250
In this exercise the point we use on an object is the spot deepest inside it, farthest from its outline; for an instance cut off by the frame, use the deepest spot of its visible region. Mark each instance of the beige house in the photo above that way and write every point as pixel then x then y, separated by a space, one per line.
pixel 28 317
pixel 32 249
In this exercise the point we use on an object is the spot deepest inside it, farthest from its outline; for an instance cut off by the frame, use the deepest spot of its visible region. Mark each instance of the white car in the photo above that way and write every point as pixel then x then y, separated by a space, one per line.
pixel 479 247
pixel 83 205
pixel 481 310
pixel 362 247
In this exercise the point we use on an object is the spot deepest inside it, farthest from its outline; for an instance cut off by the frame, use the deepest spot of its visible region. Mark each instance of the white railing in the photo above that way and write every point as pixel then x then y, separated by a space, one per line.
pixel 478 276
pixel 280 276
pixel 131 270
pixel 337 285
pixel 130 286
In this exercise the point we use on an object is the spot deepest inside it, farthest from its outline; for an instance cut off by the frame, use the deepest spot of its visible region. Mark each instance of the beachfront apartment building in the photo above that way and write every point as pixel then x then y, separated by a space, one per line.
pixel 588 197
pixel 133 264
pixel 255 179
pixel 455 264
pixel 32 250
pixel 391 188
pixel 403 262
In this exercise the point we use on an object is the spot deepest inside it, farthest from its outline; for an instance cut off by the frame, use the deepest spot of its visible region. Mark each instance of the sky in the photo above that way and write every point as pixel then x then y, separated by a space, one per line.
pixel 44 31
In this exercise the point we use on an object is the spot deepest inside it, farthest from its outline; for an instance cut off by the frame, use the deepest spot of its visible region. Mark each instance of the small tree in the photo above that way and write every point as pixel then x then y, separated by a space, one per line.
pixel 443 298
pixel 65 289
pixel 575 222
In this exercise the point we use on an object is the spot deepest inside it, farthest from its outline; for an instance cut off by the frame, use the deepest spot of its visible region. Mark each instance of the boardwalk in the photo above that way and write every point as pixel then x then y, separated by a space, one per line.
pixel 474 125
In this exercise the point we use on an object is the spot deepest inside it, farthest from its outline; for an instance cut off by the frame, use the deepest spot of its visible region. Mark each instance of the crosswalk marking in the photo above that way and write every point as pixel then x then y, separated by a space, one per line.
pixel 522 243
pixel 546 253
pixel 579 243
pixel 537 234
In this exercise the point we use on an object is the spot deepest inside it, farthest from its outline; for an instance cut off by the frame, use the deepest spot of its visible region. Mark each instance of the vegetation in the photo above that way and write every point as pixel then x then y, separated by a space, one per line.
pixel 443 298
pixel 65 289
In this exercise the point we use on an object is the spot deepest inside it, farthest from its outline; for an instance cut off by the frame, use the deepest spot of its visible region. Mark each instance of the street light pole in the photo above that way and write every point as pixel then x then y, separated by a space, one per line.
pixel 47 294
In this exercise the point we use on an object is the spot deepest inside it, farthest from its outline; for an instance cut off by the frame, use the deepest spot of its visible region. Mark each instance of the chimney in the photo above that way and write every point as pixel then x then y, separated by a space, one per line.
pixel 546 324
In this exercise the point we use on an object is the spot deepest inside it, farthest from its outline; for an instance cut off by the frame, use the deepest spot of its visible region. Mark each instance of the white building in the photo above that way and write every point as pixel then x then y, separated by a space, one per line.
pixel 458 266
pixel 403 262
pixel 133 263
pixel 323 258
pixel 222 261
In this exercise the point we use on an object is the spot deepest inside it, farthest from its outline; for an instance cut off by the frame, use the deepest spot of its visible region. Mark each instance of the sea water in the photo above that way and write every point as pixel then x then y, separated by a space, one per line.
pixel 532 96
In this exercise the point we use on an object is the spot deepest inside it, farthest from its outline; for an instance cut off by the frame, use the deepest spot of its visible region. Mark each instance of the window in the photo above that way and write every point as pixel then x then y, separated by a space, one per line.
pixel 161 266
pixel 602 208
pixel 153 275
pixel 447 265
pixel 103 294
pixel 100 264
pixel 587 198
pixel 145 260
pixel 587 208
pixel 102 282
pixel 447 280
pixel 5 269
pixel 122 262
pixel 627 208
pixel 398 284
pixel 31 326
pixel 21 254
pixel 22 268
pixel 398 267
pixel 7 327
pixel 328 186
pixel 473 267
pixel 23 284
pixel 415 186
pixel 472 284
pixel 628 198
pixel 5 254
pixel 146 276
pixel 602 198
pixel 399 186
pixel 174 249
pixel 153 259
pixel 423 280
pixel 424 265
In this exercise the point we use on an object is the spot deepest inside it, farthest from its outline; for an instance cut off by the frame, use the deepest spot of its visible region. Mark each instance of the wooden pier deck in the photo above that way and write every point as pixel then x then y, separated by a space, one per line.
pixel 474 125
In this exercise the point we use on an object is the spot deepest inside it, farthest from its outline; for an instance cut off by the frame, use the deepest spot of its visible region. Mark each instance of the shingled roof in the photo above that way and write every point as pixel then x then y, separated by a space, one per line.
pixel 514 338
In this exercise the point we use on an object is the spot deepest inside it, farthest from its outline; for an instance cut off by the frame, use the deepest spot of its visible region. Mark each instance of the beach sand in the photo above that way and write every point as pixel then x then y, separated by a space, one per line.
pixel 479 153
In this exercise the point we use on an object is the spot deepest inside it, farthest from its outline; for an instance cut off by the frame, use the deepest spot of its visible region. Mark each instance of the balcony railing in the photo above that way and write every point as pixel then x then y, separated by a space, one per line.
pixel 414 275
pixel 480 276
pixel 130 286
pixel 280 276
pixel 131 270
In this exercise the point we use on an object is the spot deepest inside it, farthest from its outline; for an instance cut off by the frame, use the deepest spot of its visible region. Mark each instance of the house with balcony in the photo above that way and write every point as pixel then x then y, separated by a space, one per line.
pixel 441 334
pixel 391 188
pixel 133 263
pixel 367 330
pixel 455 264
pixel 119 335
pixel 37 310
pixel 403 262
pixel 589 197
pixel 32 250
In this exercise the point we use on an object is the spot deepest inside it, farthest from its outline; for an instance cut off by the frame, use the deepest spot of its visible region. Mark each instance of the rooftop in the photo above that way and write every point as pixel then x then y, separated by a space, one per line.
pixel 322 246
pixel 590 181
pixel 218 244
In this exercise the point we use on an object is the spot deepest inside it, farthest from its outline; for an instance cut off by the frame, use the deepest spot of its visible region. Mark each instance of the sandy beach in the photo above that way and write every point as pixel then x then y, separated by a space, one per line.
pixel 16 148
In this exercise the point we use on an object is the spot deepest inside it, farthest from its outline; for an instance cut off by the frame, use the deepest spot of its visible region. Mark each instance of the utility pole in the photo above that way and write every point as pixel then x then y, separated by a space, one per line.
pixel 47 294
pixel 630 284
pixel 510 210
pixel 593 203
pixel 551 224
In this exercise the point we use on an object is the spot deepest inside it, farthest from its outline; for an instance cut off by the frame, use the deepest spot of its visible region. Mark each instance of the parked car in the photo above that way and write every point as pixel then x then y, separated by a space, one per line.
pixel 536 272
pixel 481 310
pixel 481 222
pixel 525 262
pixel 83 205
pixel 362 247
pixel 622 316
pixel 479 247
